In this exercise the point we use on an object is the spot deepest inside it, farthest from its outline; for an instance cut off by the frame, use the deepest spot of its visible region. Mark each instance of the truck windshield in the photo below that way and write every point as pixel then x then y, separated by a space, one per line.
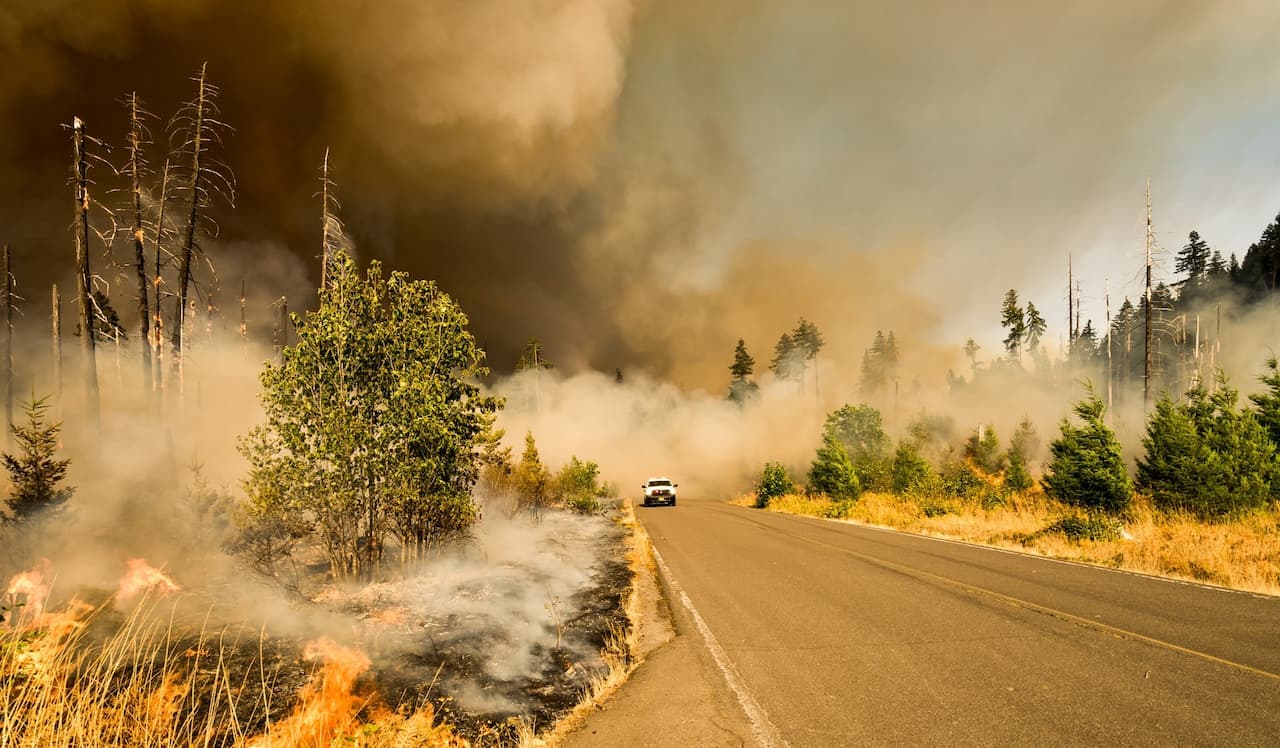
pixel 659 482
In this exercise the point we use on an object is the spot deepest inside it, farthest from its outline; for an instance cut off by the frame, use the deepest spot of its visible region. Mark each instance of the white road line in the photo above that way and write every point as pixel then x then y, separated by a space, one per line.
pixel 762 729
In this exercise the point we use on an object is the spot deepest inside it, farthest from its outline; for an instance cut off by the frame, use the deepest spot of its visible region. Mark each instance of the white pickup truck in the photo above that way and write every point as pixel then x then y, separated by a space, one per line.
pixel 659 491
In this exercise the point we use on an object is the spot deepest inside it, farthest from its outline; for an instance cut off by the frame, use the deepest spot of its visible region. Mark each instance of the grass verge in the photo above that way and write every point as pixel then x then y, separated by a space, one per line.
pixel 1241 554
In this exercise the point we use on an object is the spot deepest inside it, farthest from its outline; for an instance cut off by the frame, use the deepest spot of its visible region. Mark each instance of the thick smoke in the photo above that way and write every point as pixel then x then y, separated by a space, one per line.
pixel 617 180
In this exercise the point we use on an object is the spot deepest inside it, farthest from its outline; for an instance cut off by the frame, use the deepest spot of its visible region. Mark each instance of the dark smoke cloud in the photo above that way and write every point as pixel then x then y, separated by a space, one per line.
pixel 641 185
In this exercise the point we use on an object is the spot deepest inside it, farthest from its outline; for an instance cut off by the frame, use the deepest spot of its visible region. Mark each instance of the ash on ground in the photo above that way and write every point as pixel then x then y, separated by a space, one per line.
pixel 509 626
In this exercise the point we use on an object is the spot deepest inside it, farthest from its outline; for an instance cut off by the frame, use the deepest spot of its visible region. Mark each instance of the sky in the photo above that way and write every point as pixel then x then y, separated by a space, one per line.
pixel 639 184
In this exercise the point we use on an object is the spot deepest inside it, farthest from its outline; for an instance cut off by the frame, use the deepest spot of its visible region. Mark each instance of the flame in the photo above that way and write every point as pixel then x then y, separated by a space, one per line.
pixel 326 712
pixel 29 585
pixel 143 576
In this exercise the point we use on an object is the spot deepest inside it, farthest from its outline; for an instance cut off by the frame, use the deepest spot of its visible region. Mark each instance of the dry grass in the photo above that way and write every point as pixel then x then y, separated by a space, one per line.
pixel 146 685
pixel 1242 554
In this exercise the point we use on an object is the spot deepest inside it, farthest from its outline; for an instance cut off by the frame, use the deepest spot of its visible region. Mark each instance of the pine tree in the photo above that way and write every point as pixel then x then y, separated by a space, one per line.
pixel 1207 456
pixel 983 447
pixel 532 357
pixel 1268 401
pixel 1193 259
pixel 531 477
pixel 1086 468
pixel 33 469
pixel 971 349
pixel 1217 265
pixel 832 472
pixel 1035 327
pixel 741 387
pixel 1013 319
pixel 786 364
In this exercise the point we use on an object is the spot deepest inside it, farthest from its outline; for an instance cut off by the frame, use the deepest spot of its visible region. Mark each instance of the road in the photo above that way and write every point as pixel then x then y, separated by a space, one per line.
pixel 824 633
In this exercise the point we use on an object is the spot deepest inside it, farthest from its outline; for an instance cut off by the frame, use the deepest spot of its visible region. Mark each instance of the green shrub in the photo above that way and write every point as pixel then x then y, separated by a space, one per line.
pixel 1206 456
pixel 958 480
pixel 578 487
pixel 933 507
pixel 910 470
pixel 832 472
pixel 1092 527
pixel 1087 469
pixel 984 449
pixel 859 430
pixel 841 509
pixel 775 481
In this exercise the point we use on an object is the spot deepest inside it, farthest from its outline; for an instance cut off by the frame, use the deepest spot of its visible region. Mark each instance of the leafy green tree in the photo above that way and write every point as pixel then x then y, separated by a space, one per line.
pixel 859 429
pixel 33 468
pixel 1207 456
pixel 1193 259
pixel 774 481
pixel 1014 321
pixel 374 424
pixel 578 486
pixel 742 388
pixel 1086 468
pixel 832 472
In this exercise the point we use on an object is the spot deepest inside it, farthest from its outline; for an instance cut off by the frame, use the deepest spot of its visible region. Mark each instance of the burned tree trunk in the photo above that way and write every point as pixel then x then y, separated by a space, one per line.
pixel 137 135
pixel 281 337
pixel 7 380
pixel 57 350
pixel 197 145
pixel 1146 335
pixel 83 278
pixel 244 325
pixel 157 340
pixel 324 220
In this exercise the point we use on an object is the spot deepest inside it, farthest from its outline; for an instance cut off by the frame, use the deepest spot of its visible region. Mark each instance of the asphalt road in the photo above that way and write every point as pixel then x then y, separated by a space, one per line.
pixel 826 633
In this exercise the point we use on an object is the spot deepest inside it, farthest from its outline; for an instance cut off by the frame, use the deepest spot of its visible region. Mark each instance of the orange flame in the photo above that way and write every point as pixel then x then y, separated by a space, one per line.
pixel 327 710
pixel 143 576
pixel 29 585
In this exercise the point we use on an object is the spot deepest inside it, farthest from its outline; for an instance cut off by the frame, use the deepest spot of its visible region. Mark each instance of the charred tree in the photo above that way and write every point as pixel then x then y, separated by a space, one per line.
pixel 6 382
pixel 281 337
pixel 84 280
pixel 136 169
pixel 157 338
pixel 57 350
pixel 1146 364
pixel 198 121
pixel 244 325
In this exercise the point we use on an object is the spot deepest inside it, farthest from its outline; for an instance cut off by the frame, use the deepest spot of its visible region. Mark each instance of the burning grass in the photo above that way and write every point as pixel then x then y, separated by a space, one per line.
pixel 115 667
pixel 1242 554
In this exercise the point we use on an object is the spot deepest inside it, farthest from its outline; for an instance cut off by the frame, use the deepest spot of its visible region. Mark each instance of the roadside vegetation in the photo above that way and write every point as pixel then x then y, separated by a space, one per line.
pixel 1203 505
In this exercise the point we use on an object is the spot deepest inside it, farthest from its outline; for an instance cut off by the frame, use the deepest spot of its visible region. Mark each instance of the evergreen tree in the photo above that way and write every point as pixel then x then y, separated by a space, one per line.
pixel 1014 320
pixel 879 364
pixel 1193 259
pixel 910 470
pixel 832 472
pixel 1022 449
pixel 971 349
pixel 808 341
pixel 983 447
pixel 1035 327
pixel 33 470
pixel 787 364
pixel 1259 271
pixel 1268 401
pixel 1207 456
pixel 532 479
pixel 741 387
pixel 533 357
pixel 1217 266
pixel 1086 468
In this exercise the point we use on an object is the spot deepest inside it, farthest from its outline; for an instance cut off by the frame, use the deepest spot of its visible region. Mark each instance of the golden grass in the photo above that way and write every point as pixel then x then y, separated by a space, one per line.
pixel 1242 554
pixel 145 685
